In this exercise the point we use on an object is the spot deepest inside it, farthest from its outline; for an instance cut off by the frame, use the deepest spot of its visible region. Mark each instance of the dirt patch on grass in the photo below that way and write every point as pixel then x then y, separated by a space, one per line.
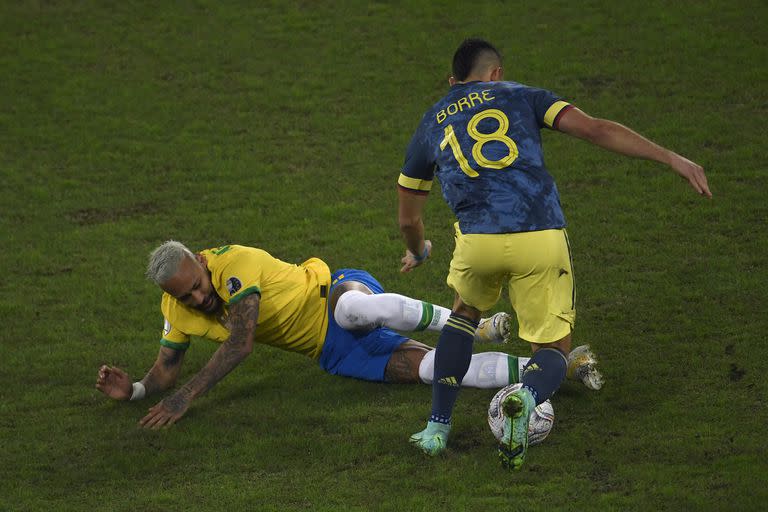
pixel 596 84
pixel 735 373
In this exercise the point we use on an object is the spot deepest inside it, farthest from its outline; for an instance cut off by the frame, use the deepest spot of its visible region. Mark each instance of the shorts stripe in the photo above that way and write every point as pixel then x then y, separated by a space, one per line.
pixel 570 258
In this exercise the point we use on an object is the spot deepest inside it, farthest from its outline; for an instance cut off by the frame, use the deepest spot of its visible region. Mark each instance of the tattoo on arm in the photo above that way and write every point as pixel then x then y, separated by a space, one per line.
pixel 150 382
pixel 242 320
pixel 176 402
pixel 163 373
pixel 171 359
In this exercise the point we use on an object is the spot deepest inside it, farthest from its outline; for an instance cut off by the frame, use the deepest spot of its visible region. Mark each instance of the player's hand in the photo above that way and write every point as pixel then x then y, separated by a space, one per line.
pixel 114 382
pixel 692 172
pixel 166 413
pixel 410 262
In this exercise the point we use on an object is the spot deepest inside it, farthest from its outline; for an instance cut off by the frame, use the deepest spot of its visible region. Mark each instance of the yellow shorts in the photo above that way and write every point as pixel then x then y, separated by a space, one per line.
pixel 536 266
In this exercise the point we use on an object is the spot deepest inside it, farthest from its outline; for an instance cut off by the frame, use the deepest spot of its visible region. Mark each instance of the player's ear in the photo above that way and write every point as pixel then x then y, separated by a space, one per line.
pixel 201 260
pixel 451 81
pixel 497 75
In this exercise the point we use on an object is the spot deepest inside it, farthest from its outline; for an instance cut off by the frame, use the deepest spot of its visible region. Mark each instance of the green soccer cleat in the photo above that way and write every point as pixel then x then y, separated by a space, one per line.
pixel 433 440
pixel 517 408
pixel 582 367
pixel 494 329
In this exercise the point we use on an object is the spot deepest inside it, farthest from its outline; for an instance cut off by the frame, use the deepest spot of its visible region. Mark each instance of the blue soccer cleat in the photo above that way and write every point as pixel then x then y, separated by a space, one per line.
pixel 517 408
pixel 433 440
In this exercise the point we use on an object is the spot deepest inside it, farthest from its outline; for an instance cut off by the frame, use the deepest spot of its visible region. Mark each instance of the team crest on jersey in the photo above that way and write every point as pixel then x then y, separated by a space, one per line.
pixel 233 284
pixel 166 327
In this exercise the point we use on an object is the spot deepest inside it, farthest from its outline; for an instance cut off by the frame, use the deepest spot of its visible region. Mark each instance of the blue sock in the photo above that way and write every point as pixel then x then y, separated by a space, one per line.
pixel 452 358
pixel 544 373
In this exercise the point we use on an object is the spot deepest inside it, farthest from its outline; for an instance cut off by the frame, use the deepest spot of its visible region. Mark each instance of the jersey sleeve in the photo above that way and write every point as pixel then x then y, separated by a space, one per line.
pixel 419 167
pixel 173 338
pixel 239 271
pixel 548 107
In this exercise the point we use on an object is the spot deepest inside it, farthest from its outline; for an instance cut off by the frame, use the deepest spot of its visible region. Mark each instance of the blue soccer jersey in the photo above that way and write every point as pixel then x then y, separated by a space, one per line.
pixel 483 142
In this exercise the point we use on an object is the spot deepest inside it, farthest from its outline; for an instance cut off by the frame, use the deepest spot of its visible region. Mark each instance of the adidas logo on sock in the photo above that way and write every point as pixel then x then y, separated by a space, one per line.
pixel 531 368
pixel 449 381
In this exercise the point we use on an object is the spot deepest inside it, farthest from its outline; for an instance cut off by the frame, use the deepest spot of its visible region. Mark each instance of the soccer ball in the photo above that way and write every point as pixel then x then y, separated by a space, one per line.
pixel 539 426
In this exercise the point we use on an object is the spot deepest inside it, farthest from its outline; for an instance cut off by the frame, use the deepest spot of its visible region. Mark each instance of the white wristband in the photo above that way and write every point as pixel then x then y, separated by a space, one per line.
pixel 138 391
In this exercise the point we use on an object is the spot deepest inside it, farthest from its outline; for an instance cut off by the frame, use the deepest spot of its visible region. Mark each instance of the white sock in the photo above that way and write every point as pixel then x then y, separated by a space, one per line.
pixel 356 310
pixel 487 370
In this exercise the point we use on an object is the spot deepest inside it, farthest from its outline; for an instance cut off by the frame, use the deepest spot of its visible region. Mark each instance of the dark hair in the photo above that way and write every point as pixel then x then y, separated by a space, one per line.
pixel 467 56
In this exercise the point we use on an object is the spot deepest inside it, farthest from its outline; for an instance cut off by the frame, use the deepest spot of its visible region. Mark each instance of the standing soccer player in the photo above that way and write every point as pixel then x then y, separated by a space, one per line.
pixel 482 140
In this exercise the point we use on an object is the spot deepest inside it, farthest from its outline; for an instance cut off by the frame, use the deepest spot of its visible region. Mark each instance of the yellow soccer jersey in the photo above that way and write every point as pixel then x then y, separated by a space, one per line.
pixel 292 311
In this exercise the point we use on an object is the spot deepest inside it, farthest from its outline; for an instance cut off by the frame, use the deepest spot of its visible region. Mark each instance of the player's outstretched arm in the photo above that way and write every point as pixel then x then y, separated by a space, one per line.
pixel 116 383
pixel 164 372
pixel 412 228
pixel 620 139
pixel 242 323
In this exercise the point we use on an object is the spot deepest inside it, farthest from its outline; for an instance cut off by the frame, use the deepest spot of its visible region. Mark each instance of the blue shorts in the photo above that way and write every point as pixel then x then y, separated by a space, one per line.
pixel 359 354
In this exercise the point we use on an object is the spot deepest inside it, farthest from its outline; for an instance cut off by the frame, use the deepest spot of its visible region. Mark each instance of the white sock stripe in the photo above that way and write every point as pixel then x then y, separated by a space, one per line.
pixel 438 321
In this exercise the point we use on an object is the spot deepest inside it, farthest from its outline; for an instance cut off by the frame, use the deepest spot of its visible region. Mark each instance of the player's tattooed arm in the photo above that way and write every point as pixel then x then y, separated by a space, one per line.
pixel 164 372
pixel 242 320
pixel 116 384
pixel 243 317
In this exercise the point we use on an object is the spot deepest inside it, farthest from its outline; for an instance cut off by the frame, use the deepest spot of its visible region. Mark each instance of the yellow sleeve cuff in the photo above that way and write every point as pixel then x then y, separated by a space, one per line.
pixel 551 116
pixel 414 183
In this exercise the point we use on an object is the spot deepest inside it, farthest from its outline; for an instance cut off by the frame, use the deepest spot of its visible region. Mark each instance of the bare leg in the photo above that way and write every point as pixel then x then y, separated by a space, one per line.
pixel 403 366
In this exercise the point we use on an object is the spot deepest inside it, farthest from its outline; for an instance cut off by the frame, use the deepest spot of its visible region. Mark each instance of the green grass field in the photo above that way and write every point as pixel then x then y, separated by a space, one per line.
pixel 123 124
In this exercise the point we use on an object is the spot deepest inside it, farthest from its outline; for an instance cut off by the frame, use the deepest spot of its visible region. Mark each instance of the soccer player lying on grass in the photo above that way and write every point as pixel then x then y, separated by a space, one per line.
pixel 240 295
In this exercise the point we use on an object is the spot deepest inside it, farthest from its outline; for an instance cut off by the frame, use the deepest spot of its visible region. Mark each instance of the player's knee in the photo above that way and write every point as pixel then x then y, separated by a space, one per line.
pixel 348 313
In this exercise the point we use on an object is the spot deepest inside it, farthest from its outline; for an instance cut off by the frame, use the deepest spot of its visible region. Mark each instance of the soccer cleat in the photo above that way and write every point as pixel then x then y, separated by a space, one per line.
pixel 517 408
pixel 494 329
pixel 582 366
pixel 432 440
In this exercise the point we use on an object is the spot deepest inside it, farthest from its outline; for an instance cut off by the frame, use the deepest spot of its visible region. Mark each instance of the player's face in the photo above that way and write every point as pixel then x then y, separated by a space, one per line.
pixel 191 284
